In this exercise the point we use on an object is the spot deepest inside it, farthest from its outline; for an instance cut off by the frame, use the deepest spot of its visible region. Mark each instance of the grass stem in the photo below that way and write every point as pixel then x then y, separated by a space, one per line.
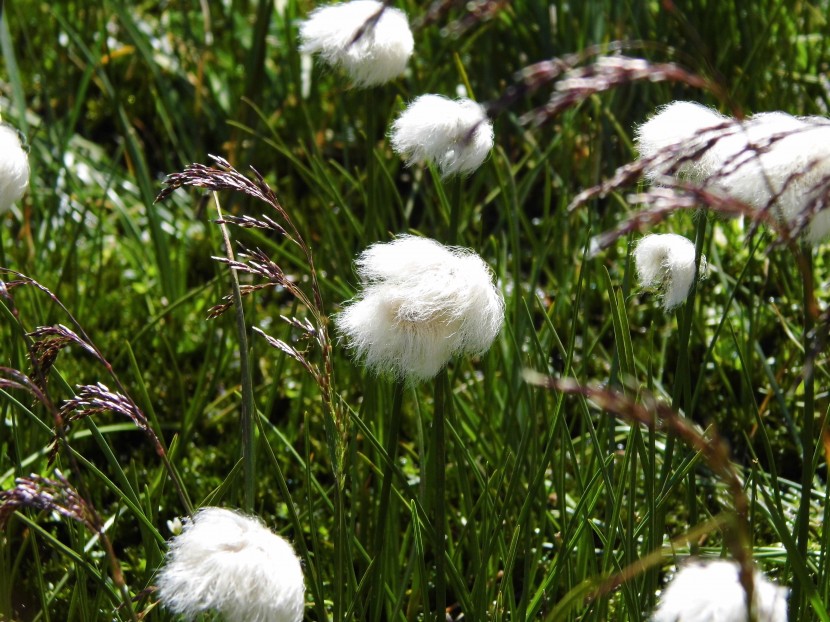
pixel 805 260
pixel 455 211
pixel 390 448
pixel 248 428
pixel 436 469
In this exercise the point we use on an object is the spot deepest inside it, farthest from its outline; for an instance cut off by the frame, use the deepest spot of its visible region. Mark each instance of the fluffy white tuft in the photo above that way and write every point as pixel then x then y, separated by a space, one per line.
pixel 780 161
pixel 231 563
pixel 379 54
pixel 14 167
pixel 712 592
pixel 422 303
pixel 770 160
pixel 455 134
pixel 667 260
pixel 679 131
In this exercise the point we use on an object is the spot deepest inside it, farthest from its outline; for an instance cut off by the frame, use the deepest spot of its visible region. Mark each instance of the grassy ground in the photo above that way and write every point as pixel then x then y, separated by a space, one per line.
pixel 553 508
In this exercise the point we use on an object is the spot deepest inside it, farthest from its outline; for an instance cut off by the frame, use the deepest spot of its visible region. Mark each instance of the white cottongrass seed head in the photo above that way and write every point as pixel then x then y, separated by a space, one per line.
pixel 455 134
pixel 712 592
pixel 781 162
pixel 667 260
pixel 677 136
pixel 421 304
pixel 380 53
pixel 772 160
pixel 14 167
pixel 230 563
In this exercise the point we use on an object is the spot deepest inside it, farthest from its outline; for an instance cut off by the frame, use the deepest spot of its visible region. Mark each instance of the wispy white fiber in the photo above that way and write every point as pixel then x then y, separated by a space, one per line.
pixel 712 592
pixel 377 56
pixel 14 167
pixel 680 131
pixel 783 162
pixel 770 160
pixel 667 260
pixel 230 563
pixel 455 134
pixel 421 304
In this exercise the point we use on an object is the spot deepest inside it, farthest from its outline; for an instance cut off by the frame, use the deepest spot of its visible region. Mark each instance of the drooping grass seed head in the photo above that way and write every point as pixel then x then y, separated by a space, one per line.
pixel 667 260
pixel 455 134
pixel 421 304
pixel 712 592
pixel 226 562
pixel 371 42
pixel 14 167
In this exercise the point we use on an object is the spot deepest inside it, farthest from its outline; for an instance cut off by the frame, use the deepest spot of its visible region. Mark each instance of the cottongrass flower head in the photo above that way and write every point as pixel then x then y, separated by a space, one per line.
pixel 781 162
pixel 14 167
pixel 422 303
pixel 712 592
pixel 455 134
pixel 681 131
pixel 373 50
pixel 771 160
pixel 667 260
pixel 230 563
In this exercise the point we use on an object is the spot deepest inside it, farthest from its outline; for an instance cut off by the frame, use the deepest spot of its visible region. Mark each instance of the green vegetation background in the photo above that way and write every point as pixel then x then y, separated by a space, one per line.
pixel 545 494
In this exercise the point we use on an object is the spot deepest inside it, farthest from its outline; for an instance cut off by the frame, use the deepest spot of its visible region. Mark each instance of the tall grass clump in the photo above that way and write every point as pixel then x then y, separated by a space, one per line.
pixel 396 311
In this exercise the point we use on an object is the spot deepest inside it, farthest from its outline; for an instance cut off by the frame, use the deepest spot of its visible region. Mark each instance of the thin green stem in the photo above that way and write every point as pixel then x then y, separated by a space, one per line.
pixel 455 211
pixel 681 393
pixel 371 220
pixel 682 389
pixel 391 447
pixel 248 428
pixel 805 258
pixel 437 476
pixel 341 533
pixel 2 249
pixel 824 555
